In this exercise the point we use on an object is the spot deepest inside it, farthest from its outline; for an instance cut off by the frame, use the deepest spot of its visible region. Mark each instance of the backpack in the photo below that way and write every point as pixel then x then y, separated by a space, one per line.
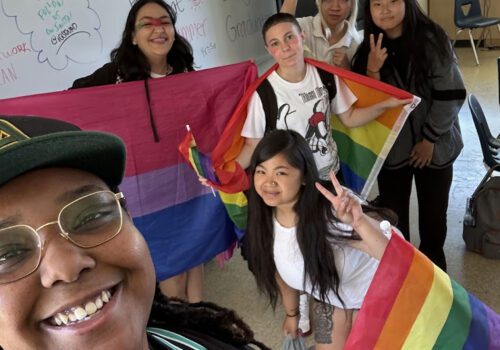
pixel 270 102
pixel 482 217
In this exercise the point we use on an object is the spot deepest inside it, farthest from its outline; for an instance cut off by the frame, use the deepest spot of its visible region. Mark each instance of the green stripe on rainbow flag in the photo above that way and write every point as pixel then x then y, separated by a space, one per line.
pixel 412 304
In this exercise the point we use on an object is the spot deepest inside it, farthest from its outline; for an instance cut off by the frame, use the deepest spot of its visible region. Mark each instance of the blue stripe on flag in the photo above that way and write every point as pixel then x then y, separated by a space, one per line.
pixel 479 334
pixel 188 241
pixel 351 180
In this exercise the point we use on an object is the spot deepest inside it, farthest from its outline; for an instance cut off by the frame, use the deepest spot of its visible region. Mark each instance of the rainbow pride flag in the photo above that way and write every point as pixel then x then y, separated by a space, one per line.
pixel 362 150
pixel 184 225
pixel 235 203
pixel 412 304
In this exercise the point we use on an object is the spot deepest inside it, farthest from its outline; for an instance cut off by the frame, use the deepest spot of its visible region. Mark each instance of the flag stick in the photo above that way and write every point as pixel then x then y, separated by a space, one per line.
pixel 211 188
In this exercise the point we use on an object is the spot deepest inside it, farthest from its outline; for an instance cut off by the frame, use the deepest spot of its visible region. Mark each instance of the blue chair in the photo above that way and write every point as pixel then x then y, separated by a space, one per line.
pixel 471 20
pixel 489 144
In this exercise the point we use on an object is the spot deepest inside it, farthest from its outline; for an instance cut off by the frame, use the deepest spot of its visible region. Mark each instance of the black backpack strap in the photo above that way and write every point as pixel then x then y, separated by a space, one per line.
pixel 328 80
pixel 269 103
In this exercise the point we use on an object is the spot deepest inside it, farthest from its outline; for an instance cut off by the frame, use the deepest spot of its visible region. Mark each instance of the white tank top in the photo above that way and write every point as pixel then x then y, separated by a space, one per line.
pixel 355 268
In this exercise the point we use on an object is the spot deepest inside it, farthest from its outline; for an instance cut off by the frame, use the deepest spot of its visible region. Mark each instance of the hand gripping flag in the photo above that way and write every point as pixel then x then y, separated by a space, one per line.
pixel 182 223
pixel 235 203
pixel 362 150
pixel 412 304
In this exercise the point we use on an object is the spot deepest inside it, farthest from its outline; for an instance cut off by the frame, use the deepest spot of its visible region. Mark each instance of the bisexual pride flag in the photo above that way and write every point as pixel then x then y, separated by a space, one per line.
pixel 184 225
pixel 412 304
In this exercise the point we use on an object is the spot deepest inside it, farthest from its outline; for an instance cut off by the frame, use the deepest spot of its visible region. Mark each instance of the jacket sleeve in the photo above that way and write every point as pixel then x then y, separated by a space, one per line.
pixel 107 74
pixel 447 96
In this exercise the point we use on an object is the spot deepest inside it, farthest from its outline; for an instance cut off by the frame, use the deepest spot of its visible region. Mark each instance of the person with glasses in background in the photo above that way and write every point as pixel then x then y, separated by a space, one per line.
pixel 75 273
pixel 151 48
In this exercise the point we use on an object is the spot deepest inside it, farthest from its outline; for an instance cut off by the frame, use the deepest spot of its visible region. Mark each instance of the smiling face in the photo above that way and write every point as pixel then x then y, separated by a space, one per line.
pixel 284 42
pixel 388 15
pixel 277 182
pixel 117 277
pixel 154 32
pixel 335 11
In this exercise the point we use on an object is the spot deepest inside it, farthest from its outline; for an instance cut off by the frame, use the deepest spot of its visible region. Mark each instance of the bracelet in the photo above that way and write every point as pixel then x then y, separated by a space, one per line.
pixel 372 71
pixel 385 227
pixel 294 315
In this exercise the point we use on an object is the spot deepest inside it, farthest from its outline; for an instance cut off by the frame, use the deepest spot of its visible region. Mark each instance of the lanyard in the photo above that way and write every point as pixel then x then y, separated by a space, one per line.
pixel 165 337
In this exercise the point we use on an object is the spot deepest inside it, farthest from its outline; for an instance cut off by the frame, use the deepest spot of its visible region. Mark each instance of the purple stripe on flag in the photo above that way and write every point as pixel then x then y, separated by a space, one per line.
pixel 162 188
pixel 208 168
pixel 494 326
pixel 479 333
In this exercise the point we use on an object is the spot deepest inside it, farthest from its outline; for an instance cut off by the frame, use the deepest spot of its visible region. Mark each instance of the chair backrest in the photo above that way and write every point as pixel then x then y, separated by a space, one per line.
pixel 481 127
pixel 461 16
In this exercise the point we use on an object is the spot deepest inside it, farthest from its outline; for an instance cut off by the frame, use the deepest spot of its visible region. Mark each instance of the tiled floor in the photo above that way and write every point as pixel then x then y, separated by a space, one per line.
pixel 234 286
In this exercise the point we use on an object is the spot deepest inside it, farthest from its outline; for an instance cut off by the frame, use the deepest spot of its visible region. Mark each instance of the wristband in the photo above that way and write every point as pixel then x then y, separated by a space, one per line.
pixel 372 71
pixel 294 315
pixel 385 227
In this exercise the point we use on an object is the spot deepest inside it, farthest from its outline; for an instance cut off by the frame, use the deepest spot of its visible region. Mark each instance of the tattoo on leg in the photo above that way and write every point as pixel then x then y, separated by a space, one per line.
pixel 323 324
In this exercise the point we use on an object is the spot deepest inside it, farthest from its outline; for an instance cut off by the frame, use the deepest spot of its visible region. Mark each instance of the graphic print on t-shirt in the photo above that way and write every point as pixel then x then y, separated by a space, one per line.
pixel 316 125
pixel 317 131
pixel 304 107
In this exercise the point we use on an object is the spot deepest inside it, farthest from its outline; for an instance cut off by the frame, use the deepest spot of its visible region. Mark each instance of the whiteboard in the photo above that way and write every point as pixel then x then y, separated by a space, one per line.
pixel 47 44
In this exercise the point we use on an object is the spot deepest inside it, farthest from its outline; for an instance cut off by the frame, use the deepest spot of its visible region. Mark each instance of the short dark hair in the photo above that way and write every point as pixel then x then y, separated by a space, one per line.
pixel 278 18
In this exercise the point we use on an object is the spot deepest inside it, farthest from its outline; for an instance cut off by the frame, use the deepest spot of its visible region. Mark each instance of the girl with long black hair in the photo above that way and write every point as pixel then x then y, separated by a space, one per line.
pixel 301 240
pixel 404 48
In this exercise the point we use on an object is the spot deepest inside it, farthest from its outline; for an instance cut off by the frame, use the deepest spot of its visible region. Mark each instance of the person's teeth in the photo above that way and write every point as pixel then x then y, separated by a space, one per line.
pixel 80 313
pixel 90 308
pixel 98 302
pixel 64 319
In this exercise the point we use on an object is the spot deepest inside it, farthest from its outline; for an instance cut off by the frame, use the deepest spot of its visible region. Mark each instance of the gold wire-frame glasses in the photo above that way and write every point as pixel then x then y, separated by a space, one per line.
pixel 87 222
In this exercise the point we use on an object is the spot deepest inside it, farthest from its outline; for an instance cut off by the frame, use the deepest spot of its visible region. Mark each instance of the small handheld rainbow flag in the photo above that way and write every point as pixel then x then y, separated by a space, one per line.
pixel 235 203
pixel 198 161
pixel 413 304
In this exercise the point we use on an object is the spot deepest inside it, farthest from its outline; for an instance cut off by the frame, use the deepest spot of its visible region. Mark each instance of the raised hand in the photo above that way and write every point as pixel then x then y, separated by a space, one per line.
pixel 348 210
pixel 347 207
pixel 377 55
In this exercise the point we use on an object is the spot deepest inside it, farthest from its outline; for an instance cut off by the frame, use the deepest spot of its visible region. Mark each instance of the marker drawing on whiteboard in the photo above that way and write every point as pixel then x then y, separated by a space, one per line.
pixel 58 29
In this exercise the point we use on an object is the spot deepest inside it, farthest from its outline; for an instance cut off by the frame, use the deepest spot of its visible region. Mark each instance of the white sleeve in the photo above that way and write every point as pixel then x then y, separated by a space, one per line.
pixel 306 24
pixel 344 98
pixel 255 124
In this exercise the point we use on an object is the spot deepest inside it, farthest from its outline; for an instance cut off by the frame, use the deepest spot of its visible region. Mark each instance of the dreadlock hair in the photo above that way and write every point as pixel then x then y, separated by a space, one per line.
pixel 207 318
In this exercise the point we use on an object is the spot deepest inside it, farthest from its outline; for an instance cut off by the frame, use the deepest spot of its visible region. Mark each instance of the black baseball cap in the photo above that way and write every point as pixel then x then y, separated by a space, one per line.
pixel 28 143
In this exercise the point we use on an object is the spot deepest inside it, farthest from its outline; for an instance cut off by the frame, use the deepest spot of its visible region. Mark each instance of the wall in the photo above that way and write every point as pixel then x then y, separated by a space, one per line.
pixel 442 11
pixel 46 44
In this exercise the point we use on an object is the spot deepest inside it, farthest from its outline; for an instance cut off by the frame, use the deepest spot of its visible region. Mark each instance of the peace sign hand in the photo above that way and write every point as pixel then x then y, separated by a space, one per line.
pixel 347 208
pixel 377 55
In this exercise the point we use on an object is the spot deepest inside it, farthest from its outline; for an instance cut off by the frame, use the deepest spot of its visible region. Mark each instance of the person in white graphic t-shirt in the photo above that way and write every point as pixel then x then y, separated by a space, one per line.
pixel 303 101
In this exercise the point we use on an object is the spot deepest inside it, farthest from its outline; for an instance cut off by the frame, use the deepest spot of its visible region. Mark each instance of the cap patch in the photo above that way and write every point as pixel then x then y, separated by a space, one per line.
pixel 9 134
